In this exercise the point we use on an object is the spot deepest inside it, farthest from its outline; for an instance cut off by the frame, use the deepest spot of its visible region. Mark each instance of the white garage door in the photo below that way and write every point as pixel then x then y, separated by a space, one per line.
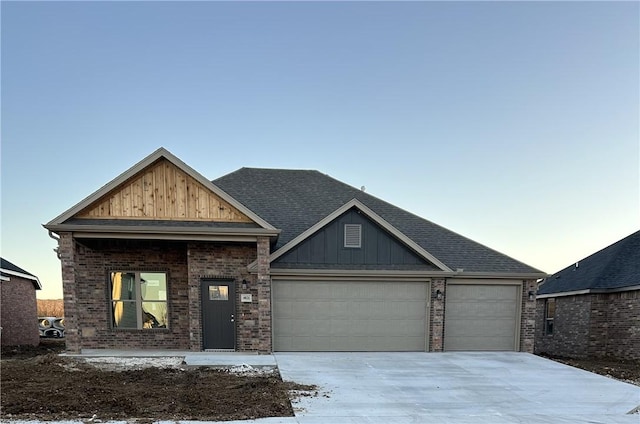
pixel 349 316
pixel 481 317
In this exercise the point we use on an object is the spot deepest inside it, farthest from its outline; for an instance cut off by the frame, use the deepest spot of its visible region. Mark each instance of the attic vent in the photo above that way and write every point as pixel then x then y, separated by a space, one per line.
pixel 352 235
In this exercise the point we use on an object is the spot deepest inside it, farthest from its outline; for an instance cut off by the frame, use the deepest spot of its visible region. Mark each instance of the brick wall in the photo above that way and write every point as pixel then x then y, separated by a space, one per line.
pixel 18 312
pixel 528 317
pixel 93 262
pixel 570 327
pixel 436 316
pixel 218 260
pixel 592 325
pixel 615 325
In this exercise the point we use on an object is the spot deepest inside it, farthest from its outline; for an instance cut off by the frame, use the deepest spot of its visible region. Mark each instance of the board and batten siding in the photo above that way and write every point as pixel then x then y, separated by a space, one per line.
pixel 162 191
pixel 378 248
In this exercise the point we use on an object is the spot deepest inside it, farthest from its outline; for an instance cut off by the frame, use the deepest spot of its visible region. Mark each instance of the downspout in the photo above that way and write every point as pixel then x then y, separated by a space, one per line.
pixel 57 249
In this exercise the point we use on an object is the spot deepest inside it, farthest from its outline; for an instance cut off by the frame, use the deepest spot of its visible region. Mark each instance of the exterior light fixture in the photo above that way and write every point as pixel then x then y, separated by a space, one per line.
pixel 244 284
pixel 438 294
pixel 532 295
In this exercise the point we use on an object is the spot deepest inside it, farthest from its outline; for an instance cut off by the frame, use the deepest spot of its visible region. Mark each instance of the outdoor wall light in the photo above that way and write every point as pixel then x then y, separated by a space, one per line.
pixel 244 284
pixel 532 295
pixel 438 294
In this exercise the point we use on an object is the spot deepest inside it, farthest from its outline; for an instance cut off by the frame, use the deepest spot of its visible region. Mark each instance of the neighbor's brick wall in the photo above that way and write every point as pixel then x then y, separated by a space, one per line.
pixel 18 312
pixel 219 260
pixel 436 316
pixel 528 317
pixel 615 325
pixel 94 260
pixel 570 336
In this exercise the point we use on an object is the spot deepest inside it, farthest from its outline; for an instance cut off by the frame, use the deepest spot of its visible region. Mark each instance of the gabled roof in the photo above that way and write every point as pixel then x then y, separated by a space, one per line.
pixel 297 200
pixel 68 221
pixel 613 268
pixel 355 203
pixel 8 269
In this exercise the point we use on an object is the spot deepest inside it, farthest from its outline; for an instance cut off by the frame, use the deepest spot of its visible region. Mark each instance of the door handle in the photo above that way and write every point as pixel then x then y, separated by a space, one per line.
pixel 233 318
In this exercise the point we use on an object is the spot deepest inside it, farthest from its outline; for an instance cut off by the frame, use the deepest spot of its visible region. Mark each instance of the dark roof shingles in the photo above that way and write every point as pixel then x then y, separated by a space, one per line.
pixel 5 264
pixel 295 200
pixel 615 266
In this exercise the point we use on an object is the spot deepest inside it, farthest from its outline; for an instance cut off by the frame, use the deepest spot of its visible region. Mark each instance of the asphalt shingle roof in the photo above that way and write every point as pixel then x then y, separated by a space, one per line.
pixel 295 200
pixel 613 267
pixel 5 264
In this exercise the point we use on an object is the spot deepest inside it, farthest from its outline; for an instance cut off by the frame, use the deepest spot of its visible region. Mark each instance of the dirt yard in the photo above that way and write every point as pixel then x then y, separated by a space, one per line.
pixel 627 371
pixel 39 384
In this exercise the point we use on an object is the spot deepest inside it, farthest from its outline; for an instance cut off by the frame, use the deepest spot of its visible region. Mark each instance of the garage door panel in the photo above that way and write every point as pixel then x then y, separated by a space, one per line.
pixel 481 316
pixel 349 316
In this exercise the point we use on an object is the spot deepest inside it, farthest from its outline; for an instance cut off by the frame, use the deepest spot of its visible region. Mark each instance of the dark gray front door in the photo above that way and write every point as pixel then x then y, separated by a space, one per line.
pixel 218 314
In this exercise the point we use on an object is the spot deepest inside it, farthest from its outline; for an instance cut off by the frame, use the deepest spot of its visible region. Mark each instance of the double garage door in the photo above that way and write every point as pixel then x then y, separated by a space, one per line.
pixel 391 316
pixel 349 316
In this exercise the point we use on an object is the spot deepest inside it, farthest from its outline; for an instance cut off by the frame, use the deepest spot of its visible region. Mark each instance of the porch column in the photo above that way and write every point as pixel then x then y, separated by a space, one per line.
pixel 67 254
pixel 264 296
pixel 437 315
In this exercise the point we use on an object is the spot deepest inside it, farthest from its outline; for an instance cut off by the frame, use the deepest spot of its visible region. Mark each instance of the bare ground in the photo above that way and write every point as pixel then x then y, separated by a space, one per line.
pixel 37 384
pixel 619 369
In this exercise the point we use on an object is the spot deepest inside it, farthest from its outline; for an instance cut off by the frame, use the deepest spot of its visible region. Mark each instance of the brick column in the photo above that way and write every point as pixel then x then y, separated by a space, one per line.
pixel 67 252
pixel 528 317
pixel 264 296
pixel 437 315
pixel 195 303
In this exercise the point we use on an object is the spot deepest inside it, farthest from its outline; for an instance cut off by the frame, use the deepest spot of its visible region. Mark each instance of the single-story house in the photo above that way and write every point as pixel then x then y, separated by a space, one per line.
pixel 592 308
pixel 277 260
pixel 18 305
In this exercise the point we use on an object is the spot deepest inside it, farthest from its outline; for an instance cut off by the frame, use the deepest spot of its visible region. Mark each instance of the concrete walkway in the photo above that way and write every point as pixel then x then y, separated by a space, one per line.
pixel 453 388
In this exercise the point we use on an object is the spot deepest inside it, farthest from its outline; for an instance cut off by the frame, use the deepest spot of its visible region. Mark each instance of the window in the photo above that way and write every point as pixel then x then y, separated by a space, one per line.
pixel 352 235
pixel 139 299
pixel 549 315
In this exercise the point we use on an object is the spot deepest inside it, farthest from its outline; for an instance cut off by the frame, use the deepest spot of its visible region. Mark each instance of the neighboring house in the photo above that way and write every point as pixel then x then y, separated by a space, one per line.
pixel 19 309
pixel 284 260
pixel 592 308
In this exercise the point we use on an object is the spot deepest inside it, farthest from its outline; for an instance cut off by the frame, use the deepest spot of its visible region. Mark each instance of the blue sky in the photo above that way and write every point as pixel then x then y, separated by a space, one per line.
pixel 514 124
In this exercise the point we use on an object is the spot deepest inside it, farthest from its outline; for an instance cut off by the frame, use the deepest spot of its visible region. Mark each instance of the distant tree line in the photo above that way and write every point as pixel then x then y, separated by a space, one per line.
pixel 50 308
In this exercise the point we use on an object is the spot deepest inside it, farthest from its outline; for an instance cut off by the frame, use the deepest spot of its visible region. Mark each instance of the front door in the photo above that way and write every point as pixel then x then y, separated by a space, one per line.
pixel 218 314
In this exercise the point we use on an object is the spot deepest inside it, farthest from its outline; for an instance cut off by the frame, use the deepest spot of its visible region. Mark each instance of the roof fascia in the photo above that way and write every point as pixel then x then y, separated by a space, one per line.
pixel 502 275
pixel 367 275
pixel 125 229
pixel 36 280
pixel 371 215
pixel 153 157
pixel 588 291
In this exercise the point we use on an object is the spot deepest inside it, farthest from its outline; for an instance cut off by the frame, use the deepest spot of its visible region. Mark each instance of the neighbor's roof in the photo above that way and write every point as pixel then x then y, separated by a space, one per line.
pixel 613 267
pixel 8 269
pixel 295 200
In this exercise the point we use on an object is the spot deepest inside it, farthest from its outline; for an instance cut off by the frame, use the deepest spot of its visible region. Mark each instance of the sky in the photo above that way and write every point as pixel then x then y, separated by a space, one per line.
pixel 513 124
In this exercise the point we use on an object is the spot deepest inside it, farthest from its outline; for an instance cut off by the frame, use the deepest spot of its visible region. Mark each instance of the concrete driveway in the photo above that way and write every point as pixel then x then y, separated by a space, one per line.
pixel 454 388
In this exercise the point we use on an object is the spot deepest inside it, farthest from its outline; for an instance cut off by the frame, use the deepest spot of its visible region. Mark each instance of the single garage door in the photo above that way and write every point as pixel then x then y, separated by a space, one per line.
pixel 349 316
pixel 481 316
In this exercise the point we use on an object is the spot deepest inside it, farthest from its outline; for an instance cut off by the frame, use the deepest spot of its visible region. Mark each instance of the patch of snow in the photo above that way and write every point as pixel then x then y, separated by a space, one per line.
pixel 115 363
pixel 248 370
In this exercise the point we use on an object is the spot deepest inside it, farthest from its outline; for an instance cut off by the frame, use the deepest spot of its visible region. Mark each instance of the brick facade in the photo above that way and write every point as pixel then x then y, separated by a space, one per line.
pixel 528 317
pixel 18 312
pixel 85 268
pixel 592 325
pixel 436 318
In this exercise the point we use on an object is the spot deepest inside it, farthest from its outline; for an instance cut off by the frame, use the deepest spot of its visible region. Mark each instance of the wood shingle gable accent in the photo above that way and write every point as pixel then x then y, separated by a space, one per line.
pixel 161 187
pixel 163 191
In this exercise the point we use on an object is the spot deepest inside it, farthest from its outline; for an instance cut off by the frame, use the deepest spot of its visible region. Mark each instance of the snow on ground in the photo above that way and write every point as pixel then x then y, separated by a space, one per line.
pixel 128 363
pixel 249 371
